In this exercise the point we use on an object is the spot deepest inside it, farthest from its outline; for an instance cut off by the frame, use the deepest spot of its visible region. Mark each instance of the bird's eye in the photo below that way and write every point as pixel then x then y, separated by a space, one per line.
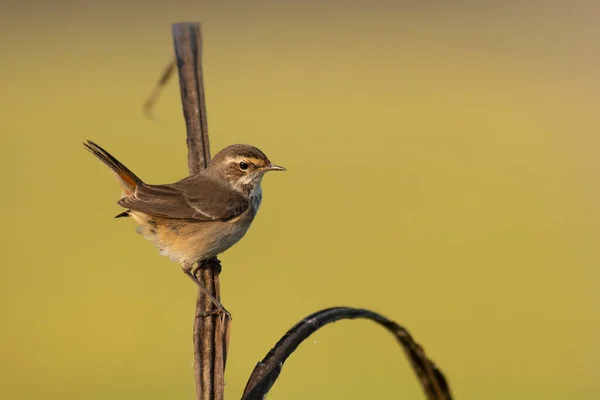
pixel 243 165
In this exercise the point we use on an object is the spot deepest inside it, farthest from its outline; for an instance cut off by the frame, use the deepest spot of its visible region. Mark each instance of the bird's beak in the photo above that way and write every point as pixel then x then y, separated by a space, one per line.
pixel 274 167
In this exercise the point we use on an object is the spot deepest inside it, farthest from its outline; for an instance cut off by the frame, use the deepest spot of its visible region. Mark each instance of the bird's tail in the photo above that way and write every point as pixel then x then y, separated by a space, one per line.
pixel 127 179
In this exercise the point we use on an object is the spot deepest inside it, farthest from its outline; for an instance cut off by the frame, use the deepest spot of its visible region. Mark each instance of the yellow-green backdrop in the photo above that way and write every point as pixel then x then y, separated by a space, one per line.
pixel 442 169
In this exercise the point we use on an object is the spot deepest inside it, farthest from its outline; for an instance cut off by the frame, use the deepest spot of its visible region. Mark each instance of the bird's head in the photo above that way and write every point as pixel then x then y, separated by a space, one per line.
pixel 242 166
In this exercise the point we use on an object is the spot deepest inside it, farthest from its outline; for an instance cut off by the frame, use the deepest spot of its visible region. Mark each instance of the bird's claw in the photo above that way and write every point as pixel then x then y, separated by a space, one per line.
pixel 214 311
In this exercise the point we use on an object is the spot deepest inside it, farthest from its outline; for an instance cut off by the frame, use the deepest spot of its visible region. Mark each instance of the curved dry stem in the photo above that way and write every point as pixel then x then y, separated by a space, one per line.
pixel 266 372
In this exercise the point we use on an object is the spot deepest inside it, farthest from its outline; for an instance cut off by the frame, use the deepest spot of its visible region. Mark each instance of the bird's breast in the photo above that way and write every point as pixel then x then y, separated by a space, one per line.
pixel 190 241
pixel 256 197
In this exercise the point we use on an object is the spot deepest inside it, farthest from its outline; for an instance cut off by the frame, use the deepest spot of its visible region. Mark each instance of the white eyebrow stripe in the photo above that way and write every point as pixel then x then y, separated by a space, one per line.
pixel 232 159
pixel 252 160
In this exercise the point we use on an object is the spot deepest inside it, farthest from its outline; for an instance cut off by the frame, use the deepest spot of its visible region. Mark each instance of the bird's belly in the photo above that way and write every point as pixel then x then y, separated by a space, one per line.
pixel 191 241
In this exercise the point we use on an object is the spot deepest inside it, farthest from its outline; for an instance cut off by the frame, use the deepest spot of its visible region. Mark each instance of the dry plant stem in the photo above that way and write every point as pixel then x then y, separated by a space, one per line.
pixel 210 332
pixel 266 372
pixel 188 51
pixel 158 88
pixel 204 327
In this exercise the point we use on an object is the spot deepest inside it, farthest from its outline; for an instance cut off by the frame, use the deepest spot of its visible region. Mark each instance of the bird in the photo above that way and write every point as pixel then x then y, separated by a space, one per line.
pixel 198 217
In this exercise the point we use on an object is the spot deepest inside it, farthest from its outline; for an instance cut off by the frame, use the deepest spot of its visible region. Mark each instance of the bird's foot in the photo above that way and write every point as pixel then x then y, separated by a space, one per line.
pixel 215 311
pixel 191 272
pixel 213 263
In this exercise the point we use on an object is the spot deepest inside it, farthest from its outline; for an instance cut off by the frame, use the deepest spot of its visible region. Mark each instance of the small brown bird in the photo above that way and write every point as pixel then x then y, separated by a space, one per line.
pixel 200 216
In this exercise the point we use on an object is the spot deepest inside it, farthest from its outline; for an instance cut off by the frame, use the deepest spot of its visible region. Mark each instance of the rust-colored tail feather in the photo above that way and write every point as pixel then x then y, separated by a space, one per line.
pixel 127 179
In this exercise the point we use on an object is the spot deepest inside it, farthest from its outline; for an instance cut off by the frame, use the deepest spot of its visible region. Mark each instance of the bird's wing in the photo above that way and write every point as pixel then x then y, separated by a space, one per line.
pixel 199 198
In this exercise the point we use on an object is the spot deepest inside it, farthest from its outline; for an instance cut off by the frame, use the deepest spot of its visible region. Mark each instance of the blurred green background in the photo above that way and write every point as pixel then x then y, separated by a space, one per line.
pixel 442 170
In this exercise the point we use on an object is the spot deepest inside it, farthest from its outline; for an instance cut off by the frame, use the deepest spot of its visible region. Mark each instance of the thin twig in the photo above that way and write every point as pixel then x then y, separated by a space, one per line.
pixel 266 372
pixel 211 333
pixel 149 104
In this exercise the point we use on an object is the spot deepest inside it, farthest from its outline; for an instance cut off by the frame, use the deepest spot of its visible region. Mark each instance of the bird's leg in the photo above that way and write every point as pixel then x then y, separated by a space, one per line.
pixel 189 270
pixel 216 264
